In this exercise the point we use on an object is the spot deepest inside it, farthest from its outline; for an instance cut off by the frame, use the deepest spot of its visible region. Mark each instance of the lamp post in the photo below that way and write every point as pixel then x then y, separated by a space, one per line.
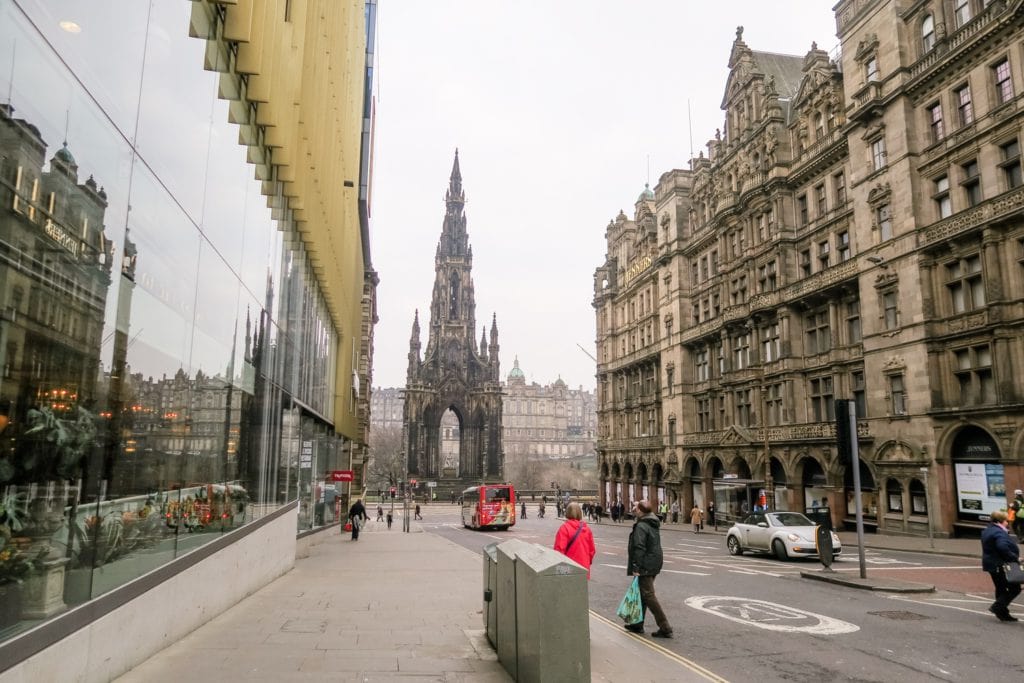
pixel 928 507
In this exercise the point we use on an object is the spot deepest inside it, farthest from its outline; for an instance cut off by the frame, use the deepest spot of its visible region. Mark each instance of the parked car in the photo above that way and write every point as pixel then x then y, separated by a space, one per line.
pixel 785 534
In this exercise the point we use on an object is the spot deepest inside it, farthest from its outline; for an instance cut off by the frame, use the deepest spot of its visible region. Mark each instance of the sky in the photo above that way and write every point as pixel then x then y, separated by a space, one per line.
pixel 561 111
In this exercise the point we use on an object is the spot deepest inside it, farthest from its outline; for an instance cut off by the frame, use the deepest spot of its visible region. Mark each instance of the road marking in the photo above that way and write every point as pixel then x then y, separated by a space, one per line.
pixel 939 604
pixel 677 571
pixel 769 615
pixel 679 659
pixel 614 566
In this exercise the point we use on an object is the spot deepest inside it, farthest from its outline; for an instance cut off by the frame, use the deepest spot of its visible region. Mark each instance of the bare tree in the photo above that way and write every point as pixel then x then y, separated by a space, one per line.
pixel 387 466
pixel 526 473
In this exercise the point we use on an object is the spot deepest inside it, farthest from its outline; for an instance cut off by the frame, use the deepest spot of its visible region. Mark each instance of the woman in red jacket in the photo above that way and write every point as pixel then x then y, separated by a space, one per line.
pixel 574 539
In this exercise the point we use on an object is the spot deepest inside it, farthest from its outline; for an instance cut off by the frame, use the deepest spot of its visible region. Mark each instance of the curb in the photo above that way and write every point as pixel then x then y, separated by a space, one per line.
pixel 869 584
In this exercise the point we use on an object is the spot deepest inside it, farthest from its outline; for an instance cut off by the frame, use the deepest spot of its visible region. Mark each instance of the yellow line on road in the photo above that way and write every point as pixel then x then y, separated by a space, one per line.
pixel 679 659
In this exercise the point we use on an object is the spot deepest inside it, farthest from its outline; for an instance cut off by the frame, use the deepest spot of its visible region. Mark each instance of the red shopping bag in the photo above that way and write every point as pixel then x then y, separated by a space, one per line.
pixel 348 526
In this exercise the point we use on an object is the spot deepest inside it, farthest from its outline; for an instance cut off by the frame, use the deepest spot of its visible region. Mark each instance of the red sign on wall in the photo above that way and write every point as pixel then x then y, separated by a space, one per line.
pixel 342 475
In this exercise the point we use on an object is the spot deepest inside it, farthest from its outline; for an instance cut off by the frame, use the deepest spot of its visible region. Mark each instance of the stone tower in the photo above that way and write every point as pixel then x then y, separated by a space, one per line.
pixel 454 372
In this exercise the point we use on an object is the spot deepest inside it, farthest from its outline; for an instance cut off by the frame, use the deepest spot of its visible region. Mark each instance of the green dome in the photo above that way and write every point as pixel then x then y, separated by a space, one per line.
pixel 64 154
pixel 647 194
pixel 516 372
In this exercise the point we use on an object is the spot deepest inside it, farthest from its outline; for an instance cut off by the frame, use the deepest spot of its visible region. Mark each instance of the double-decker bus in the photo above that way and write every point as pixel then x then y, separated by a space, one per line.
pixel 489 506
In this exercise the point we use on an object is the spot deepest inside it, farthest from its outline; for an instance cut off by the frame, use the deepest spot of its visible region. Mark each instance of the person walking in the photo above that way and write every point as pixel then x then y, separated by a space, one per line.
pixel 380 512
pixel 522 510
pixel 540 510
pixel 663 512
pixel 675 511
pixel 695 517
pixel 1017 523
pixel 417 515
pixel 711 515
pixel 997 549
pixel 357 516
pixel 574 538
pixel 645 560
pixel 390 519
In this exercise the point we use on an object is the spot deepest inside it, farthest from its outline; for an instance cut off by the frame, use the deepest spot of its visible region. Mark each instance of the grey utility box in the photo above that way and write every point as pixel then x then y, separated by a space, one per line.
pixel 505 598
pixel 490 592
pixel 553 618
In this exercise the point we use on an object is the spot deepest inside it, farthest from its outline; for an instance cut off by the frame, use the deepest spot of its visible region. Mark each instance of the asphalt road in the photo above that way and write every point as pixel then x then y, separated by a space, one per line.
pixel 752 618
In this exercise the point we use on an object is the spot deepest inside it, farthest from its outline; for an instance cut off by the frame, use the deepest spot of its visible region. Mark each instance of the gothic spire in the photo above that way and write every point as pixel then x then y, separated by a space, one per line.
pixel 455 195
pixel 415 338
pixel 483 343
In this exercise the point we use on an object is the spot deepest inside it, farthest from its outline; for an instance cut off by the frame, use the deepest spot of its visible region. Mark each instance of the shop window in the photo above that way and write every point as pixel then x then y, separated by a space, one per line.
pixel 918 498
pixel 893 496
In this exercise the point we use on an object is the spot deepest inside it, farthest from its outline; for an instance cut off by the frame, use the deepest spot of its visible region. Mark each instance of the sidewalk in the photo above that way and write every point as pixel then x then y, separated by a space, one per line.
pixel 391 606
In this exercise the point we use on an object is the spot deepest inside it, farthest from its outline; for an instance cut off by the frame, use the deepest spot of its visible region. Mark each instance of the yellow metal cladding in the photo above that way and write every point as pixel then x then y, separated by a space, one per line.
pixel 297 78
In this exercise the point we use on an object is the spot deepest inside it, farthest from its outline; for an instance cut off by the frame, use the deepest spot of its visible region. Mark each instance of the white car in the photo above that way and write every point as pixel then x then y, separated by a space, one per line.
pixel 786 534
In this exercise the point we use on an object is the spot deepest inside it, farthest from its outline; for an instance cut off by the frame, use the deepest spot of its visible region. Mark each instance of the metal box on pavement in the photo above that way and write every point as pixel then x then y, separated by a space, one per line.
pixel 490 610
pixel 505 595
pixel 553 617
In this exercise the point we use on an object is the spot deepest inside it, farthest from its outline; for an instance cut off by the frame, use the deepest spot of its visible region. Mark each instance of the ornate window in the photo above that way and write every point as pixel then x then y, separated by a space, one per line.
pixel 1003 81
pixel 965 284
pixel 973 370
pixel 928 33
pixel 964 105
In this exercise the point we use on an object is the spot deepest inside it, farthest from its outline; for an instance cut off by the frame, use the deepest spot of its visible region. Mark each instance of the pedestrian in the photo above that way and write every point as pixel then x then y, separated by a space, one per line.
pixel 675 511
pixel 380 513
pixel 644 560
pixel 997 549
pixel 540 510
pixel 417 515
pixel 599 512
pixel 357 516
pixel 574 538
pixel 389 519
pixel 522 510
pixel 711 515
pixel 695 517
pixel 1017 522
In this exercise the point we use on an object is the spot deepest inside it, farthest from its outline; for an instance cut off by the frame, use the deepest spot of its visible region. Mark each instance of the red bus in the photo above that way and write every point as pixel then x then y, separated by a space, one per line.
pixel 489 506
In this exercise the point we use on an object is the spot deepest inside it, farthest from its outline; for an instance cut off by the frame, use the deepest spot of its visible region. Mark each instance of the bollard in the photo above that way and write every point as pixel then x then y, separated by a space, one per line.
pixel 490 610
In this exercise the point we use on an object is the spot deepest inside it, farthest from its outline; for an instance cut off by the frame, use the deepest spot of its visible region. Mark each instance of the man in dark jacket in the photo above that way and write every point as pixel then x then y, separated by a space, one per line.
pixel 645 560
pixel 997 548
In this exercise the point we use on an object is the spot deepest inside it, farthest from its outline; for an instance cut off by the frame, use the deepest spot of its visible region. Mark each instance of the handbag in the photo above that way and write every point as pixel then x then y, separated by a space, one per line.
pixel 348 526
pixel 631 610
pixel 574 537
pixel 1014 572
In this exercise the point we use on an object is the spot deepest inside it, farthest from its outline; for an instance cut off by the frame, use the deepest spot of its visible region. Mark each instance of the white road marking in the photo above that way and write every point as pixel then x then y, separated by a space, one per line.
pixel 938 604
pixel 769 615
pixel 677 571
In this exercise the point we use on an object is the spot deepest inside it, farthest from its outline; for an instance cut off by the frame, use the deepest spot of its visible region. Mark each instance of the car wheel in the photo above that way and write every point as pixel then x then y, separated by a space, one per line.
pixel 733 544
pixel 780 549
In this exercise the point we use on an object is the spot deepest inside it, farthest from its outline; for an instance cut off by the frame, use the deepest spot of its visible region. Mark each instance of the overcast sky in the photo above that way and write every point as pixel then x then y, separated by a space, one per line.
pixel 556 108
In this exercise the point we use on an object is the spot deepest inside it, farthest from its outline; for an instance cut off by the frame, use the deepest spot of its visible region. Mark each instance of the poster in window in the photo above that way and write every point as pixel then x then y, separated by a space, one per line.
pixel 981 487
pixel 920 505
pixel 895 502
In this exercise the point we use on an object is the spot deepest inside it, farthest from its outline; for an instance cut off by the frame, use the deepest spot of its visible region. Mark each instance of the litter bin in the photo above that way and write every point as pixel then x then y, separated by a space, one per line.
pixel 553 618
pixel 490 610
pixel 505 602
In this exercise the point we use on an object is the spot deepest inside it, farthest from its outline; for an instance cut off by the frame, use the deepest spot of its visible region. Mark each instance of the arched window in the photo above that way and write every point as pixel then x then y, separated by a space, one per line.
pixel 918 498
pixel 894 495
pixel 927 34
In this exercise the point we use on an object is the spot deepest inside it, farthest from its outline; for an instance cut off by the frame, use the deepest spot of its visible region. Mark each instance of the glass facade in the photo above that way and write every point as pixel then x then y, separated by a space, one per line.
pixel 167 358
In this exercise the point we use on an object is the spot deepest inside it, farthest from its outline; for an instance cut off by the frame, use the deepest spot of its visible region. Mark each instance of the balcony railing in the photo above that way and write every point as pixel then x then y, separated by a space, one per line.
pixel 1004 205
pixel 809 431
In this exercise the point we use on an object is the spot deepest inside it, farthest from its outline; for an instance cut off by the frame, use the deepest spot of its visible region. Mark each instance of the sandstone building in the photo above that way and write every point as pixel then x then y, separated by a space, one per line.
pixel 854 232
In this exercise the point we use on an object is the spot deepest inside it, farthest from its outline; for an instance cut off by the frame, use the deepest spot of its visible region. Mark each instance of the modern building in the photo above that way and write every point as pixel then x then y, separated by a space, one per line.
pixel 853 233
pixel 187 304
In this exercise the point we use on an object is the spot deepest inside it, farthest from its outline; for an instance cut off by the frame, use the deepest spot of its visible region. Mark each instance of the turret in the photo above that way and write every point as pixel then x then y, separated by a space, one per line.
pixel 414 349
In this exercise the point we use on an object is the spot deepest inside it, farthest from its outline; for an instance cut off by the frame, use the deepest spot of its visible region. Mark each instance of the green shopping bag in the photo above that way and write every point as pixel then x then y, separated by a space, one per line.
pixel 631 609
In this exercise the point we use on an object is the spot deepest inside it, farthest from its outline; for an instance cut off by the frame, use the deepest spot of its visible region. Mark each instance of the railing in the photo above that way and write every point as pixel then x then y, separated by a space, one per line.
pixel 808 431
pixel 1004 205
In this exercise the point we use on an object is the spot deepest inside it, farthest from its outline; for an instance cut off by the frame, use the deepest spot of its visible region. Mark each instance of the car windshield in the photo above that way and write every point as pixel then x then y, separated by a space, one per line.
pixel 789 519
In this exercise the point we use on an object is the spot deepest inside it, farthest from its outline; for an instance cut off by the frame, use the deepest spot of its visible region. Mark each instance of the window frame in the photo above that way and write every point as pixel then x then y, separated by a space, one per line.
pixel 1002 80
pixel 964 105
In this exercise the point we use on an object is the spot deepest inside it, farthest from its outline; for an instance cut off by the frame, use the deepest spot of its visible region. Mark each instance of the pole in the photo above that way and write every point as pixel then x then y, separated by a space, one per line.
pixel 928 506
pixel 855 464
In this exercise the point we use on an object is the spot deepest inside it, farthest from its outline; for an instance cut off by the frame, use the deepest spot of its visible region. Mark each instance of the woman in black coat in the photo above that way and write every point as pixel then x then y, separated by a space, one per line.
pixel 357 516
pixel 997 549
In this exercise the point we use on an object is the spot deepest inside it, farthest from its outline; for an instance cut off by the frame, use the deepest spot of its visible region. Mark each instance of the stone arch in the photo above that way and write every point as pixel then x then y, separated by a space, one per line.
pixel 716 468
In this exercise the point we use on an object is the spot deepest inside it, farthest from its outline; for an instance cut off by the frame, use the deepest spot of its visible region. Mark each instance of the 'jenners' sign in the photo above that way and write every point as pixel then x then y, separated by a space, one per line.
pixel 638 266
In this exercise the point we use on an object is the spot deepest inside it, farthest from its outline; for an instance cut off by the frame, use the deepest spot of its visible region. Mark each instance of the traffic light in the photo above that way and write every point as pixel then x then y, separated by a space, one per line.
pixel 392 491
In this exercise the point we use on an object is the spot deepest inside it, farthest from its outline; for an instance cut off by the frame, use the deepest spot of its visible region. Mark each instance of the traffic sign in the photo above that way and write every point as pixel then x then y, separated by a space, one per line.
pixel 342 475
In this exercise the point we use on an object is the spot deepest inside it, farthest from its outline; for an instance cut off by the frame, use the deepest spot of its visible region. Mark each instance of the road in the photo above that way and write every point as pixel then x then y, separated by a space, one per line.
pixel 754 618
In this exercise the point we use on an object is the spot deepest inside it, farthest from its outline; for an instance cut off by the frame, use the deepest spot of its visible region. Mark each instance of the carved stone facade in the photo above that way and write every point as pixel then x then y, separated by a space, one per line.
pixel 454 373
pixel 856 232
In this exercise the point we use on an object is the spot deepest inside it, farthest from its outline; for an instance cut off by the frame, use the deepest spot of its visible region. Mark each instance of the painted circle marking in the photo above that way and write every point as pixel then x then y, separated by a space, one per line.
pixel 770 616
